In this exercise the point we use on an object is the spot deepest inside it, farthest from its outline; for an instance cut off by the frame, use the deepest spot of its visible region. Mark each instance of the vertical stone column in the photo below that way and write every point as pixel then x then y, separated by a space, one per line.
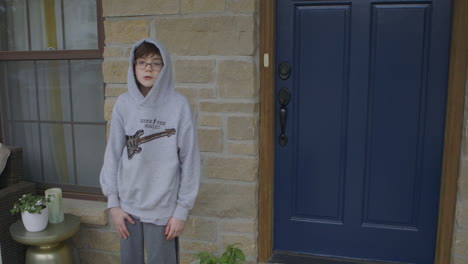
pixel 460 241
pixel 214 46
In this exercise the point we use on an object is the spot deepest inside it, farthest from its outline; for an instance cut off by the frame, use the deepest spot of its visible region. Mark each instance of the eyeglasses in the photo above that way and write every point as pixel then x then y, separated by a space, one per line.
pixel 155 66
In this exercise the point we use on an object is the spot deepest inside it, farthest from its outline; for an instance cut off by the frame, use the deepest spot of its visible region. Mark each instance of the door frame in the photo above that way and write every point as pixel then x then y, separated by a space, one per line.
pixel 453 130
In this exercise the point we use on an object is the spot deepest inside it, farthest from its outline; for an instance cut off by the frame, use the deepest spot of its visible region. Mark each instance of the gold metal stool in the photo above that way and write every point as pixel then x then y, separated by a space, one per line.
pixel 47 247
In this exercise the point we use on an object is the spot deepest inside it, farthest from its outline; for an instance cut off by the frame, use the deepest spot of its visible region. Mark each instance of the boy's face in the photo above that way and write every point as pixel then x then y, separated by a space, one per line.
pixel 147 69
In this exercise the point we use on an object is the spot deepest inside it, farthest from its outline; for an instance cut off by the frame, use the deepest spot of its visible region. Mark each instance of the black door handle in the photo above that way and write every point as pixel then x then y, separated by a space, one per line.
pixel 284 96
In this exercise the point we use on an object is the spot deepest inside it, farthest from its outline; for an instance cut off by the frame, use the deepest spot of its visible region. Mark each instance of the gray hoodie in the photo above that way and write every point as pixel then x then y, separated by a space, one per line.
pixel 152 162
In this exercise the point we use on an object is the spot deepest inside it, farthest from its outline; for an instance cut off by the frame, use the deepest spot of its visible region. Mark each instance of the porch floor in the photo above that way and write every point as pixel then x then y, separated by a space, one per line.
pixel 293 258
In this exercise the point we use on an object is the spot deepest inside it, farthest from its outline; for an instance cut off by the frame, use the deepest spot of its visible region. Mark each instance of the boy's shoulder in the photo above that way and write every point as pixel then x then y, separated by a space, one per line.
pixel 121 101
pixel 123 97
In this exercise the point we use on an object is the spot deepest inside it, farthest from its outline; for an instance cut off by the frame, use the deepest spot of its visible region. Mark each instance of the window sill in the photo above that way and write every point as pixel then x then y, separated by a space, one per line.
pixel 90 212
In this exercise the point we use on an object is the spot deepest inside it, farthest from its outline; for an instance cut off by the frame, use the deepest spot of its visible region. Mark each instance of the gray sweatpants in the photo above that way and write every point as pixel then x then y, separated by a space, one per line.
pixel 158 249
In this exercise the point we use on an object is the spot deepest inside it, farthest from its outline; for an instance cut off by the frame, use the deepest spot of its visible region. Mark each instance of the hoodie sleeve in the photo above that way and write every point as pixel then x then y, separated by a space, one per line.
pixel 115 146
pixel 189 157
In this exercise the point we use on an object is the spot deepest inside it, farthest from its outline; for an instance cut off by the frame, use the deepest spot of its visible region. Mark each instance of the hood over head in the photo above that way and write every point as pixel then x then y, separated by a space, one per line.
pixel 162 87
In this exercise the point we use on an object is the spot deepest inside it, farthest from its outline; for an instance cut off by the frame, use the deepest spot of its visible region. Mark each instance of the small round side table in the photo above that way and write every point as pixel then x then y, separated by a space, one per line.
pixel 47 247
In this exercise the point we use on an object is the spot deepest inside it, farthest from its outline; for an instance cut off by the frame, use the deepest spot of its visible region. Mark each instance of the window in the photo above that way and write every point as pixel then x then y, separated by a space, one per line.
pixel 52 91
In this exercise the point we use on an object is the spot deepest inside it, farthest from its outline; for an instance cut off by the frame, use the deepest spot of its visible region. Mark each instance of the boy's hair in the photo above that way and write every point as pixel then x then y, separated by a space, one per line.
pixel 145 49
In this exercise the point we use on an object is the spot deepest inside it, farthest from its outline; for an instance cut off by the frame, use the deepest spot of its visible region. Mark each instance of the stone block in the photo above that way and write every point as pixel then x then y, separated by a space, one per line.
pixel 194 71
pixel 78 241
pixel 187 257
pixel 126 52
pixel 249 108
pixel 460 246
pixel 190 93
pixel 112 52
pixel 210 140
pixel 139 7
pixel 126 31
pixel 462 214
pixel 240 127
pixel 202 6
pixel 107 130
pixel 108 107
pixel 115 71
pixel 200 228
pixel 465 146
pixel 206 93
pixel 466 101
pixel 463 180
pixel 243 148
pixel 191 245
pixel 90 212
pixel 209 120
pixel 219 35
pixel 239 227
pixel 101 257
pixel 106 240
pixel 460 260
pixel 236 79
pixel 194 107
pixel 242 5
pixel 228 200
pixel 240 169
pixel 111 221
pixel 465 130
pixel 248 243
pixel 115 92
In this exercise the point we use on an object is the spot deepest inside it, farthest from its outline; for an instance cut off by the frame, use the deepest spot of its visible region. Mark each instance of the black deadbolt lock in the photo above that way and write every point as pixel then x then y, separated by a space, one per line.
pixel 284 70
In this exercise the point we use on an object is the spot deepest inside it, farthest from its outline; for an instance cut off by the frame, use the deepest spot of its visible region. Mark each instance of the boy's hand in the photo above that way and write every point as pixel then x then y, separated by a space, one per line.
pixel 174 228
pixel 119 217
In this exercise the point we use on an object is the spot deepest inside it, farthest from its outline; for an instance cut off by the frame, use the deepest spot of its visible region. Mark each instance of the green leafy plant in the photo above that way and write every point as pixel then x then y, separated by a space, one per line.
pixel 30 203
pixel 232 255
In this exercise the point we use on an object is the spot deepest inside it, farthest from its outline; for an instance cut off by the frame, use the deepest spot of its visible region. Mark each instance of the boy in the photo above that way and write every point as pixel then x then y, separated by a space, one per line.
pixel 151 166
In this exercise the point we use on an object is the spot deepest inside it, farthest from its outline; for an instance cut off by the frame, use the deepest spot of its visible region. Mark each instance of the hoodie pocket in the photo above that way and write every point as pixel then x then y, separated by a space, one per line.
pixel 150 184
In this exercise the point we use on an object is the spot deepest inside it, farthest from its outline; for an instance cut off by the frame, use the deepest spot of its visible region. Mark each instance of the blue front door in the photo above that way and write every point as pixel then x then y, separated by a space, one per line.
pixel 360 171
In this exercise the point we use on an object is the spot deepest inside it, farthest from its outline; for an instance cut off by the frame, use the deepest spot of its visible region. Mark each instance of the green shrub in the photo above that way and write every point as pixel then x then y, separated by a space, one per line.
pixel 232 255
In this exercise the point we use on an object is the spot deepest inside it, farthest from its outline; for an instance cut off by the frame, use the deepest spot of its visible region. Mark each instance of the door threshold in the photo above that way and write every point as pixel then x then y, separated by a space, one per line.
pixel 282 257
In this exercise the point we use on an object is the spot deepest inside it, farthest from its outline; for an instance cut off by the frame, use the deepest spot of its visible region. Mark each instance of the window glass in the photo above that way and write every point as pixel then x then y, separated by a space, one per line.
pixel 27 136
pixel 52 103
pixel 87 87
pixel 33 25
pixel 90 141
pixel 12 15
pixel 21 90
pixel 53 85
pixel 57 153
pixel 65 99
pixel 82 13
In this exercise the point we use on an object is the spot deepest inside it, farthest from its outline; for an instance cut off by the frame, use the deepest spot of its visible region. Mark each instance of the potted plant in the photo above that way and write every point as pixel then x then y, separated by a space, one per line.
pixel 34 211
pixel 232 255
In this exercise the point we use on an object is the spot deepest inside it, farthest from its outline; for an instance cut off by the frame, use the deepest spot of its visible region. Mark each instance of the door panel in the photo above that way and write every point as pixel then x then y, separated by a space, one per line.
pixel 398 74
pixel 325 81
pixel 360 175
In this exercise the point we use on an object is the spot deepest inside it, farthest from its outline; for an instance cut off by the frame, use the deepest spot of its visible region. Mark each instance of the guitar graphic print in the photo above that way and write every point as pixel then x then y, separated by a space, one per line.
pixel 134 142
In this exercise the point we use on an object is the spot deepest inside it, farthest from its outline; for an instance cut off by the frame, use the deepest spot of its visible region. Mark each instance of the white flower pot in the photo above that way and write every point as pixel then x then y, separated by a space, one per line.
pixel 35 222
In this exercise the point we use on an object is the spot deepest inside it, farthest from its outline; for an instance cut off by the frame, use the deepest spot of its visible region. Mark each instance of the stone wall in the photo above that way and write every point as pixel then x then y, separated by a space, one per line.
pixel 214 45
pixel 460 240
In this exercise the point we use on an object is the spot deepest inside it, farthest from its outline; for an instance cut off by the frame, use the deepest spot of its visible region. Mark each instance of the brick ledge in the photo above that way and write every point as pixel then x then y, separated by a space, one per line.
pixel 90 212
